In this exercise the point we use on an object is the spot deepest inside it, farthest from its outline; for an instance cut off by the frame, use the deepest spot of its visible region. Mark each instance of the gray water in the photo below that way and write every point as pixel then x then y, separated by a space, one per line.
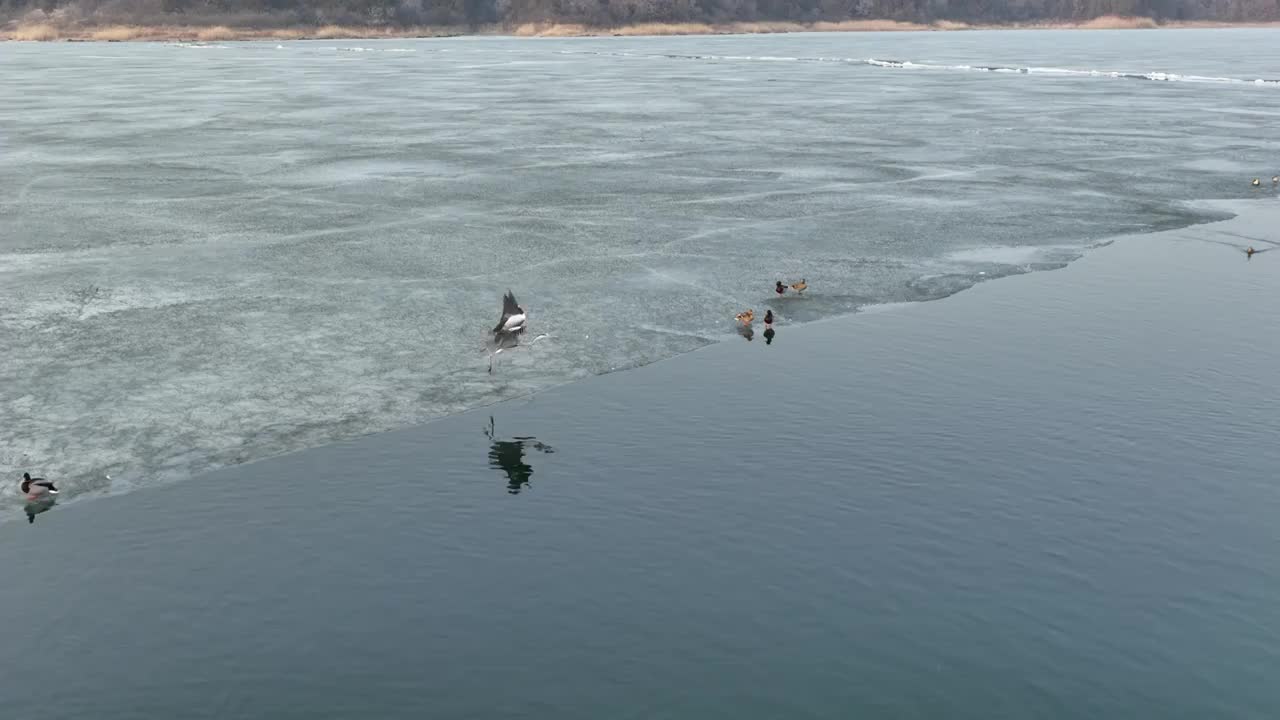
pixel 1048 497
pixel 212 254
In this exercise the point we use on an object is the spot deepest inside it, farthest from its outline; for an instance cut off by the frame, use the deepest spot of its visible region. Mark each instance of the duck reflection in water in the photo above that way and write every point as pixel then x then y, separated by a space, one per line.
pixel 508 456
pixel 34 507
pixel 746 332
pixel 768 336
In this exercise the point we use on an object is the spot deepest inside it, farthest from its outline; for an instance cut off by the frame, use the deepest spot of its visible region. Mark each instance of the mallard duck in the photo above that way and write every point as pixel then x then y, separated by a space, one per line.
pixel 779 288
pixel 800 286
pixel 768 319
pixel 745 317
pixel 36 488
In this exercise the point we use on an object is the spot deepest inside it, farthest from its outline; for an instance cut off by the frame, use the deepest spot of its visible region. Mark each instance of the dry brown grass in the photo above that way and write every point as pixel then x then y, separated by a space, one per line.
pixel 1273 24
pixel 739 28
pixel 547 30
pixel 35 31
pixel 215 33
pixel 118 33
pixel 1105 22
pixel 347 32
pixel 654 28
pixel 290 34
pixel 336 32
pixel 1116 22
pixel 871 26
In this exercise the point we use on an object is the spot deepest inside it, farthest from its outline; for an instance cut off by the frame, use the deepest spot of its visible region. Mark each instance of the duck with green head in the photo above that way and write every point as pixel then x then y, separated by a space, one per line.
pixel 37 488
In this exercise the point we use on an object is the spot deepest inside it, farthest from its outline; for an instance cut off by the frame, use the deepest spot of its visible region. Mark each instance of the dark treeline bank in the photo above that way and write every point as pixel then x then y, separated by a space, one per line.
pixel 607 13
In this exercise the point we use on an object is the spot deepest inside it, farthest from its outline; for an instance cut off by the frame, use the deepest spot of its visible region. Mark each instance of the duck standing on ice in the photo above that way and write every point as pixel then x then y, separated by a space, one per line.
pixel 37 488
pixel 40 495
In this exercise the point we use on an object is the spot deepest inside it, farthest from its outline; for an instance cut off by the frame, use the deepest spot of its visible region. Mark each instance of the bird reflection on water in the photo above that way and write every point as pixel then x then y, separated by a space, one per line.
pixel 508 456
pixel 34 507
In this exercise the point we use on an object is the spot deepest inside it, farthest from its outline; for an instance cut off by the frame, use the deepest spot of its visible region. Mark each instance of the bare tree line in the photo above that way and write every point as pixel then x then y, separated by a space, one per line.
pixel 615 13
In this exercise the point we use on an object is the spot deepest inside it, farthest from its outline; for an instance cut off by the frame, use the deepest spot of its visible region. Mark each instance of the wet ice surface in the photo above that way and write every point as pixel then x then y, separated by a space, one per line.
pixel 214 254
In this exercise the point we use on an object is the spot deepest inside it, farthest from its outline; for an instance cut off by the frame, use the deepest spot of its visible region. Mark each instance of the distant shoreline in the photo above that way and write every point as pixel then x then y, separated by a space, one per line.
pixel 52 32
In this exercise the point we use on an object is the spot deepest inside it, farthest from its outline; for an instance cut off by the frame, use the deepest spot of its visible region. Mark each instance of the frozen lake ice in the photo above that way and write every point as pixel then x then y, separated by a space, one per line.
pixel 212 254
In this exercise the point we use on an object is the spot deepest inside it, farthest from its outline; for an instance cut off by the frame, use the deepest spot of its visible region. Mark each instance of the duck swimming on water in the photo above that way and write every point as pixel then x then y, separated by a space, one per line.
pixel 1256 182
pixel 1249 253
pixel 37 488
